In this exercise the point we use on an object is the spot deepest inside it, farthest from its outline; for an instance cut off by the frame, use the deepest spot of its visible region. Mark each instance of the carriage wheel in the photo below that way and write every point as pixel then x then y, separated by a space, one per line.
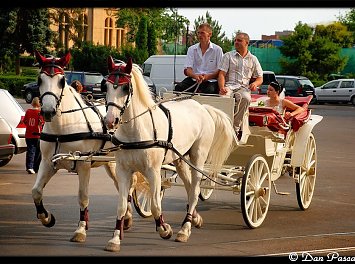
pixel 255 191
pixel 142 197
pixel 205 193
pixel 307 175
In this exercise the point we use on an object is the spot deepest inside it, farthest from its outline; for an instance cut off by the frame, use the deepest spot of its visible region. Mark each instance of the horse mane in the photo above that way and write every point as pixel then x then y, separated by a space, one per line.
pixel 141 91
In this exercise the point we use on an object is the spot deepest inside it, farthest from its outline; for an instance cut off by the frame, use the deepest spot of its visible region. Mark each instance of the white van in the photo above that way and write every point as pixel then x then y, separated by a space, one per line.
pixel 165 71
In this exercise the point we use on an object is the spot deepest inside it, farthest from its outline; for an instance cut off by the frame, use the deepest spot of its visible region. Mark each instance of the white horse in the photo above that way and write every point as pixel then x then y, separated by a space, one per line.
pixel 150 134
pixel 71 125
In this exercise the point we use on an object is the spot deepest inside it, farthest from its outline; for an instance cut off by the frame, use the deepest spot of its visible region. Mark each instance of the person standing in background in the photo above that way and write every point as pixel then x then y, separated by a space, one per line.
pixel 34 123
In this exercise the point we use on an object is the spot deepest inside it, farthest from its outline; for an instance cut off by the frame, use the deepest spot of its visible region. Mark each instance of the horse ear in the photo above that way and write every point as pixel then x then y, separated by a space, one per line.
pixel 40 58
pixel 110 64
pixel 128 67
pixel 64 61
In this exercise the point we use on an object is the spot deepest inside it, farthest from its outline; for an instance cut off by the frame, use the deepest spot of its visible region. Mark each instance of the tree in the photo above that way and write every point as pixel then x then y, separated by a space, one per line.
pixel 218 37
pixel 142 38
pixel 152 39
pixel 337 33
pixel 23 30
pixel 311 53
pixel 349 21
pixel 72 19
pixel 164 24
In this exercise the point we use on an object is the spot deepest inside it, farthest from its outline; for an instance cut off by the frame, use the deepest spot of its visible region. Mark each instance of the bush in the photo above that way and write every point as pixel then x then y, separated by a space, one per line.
pixel 14 83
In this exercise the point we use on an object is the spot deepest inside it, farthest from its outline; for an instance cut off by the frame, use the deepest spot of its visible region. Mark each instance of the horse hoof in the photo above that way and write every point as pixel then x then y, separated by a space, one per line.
pixel 78 237
pixel 166 231
pixel 127 224
pixel 112 247
pixel 197 221
pixel 47 222
pixel 180 237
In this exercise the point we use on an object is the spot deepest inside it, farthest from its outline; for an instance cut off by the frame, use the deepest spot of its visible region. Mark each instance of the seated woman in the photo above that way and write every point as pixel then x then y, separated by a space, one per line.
pixel 281 104
pixel 77 86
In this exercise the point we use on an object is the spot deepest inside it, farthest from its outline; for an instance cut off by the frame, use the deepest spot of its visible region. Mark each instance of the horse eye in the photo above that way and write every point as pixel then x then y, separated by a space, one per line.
pixel 62 82
pixel 125 87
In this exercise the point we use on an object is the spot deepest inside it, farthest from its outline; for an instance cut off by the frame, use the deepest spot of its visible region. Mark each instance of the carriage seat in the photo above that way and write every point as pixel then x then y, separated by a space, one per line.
pixel 265 116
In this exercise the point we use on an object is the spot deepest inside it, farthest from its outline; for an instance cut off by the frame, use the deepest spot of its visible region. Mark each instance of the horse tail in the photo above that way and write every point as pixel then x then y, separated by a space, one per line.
pixel 223 140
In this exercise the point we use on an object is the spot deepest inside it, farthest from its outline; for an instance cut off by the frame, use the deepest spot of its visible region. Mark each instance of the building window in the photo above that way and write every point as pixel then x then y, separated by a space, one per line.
pixel 108 31
pixel 83 30
pixel 119 37
pixel 63 31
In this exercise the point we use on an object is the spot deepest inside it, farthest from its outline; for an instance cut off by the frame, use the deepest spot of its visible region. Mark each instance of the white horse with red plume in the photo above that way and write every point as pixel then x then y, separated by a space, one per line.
pixel 71 126
pixel 150 134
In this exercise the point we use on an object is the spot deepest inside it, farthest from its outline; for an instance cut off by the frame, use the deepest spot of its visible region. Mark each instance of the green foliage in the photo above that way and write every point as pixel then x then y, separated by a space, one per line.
pixel 142 37
pixel 349 21
pixel 14 83
pixel 23 29
pixel 152 40
pixel 91 57
pixel 313 54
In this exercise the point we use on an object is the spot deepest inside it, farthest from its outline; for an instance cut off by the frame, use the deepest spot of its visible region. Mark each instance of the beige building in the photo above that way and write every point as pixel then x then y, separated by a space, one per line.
pixel 98 27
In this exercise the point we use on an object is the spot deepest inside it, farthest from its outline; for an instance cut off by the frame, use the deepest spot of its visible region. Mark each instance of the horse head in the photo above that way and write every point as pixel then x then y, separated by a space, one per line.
pixel 118 90
pixel 51 82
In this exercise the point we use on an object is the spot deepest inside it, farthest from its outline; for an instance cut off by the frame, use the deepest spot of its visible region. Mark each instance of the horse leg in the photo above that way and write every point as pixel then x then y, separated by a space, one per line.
pixel 45 173
pixel 83 199
pixel 192 185
pixel 110 168
pixel 154 179
pixel 114 244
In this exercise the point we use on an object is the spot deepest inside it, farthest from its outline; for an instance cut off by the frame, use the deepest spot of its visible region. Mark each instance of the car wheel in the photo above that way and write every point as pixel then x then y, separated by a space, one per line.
pixel 28 96
pixel 353 100
pixel 3 162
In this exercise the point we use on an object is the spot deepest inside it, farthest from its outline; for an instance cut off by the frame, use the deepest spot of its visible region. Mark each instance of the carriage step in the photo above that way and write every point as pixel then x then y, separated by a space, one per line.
pixel 277 192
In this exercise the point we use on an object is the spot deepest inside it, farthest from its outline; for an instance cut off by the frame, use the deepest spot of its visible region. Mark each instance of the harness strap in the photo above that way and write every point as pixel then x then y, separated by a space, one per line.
pixel 86 118
pixel 168 115
pixel 154 128
pixel 141 144
pixel 74 137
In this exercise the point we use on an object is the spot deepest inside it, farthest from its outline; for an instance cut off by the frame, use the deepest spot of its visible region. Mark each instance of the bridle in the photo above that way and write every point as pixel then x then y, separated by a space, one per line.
pixel 117 74
pixel 51 69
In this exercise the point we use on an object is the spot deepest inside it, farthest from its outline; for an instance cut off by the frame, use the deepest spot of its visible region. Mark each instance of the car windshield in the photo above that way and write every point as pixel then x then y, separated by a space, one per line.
pixel 306 83
pixel 93 79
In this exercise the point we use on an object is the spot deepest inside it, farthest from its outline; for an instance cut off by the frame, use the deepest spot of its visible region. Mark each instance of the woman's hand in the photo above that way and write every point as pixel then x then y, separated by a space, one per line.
pixel 288 115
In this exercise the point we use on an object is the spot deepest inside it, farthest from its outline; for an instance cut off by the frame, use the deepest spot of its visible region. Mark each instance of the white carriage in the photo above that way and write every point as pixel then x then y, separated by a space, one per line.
pixel 269 148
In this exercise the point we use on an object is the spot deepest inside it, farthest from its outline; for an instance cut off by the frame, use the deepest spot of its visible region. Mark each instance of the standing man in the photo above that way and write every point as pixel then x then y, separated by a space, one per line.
pixel 34 123
pixel 240 72
pixel 201 64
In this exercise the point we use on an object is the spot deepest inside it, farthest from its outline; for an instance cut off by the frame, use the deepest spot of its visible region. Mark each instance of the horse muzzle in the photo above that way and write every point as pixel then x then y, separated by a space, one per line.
pixel 48 115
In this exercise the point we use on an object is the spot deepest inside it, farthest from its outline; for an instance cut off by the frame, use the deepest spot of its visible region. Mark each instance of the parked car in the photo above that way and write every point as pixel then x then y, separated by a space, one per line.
pixel 341 90
pixel 13 113
pixel 7 149
pixel 91 82
pixel 296 85
pixel 268 77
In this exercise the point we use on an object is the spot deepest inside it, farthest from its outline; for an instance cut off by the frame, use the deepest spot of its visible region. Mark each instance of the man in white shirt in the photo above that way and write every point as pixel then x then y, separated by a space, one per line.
pixel 240 72
pixel 201 64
